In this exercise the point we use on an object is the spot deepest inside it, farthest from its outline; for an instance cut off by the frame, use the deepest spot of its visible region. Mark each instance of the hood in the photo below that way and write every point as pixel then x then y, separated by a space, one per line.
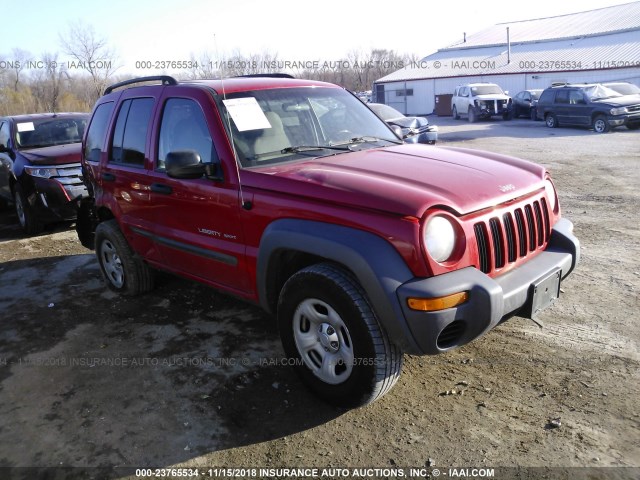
pixel 404 179
pixel 54 155
pixel 409 122
pixel 623 101
pixel 492 96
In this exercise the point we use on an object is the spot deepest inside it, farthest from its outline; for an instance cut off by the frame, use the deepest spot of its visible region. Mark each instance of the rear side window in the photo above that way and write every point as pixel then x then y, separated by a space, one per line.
pixel 95 143
pixel 184 127
pixel 130 133
pixel 547 96
pixel 563 96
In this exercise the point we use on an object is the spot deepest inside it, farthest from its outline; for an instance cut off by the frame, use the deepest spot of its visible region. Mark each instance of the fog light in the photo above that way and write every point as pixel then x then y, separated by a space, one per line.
pixel 438 303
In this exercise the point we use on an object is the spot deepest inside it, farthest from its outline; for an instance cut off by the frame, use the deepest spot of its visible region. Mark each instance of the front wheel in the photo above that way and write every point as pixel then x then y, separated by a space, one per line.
pixel 331 335
pixel 472 115
pixel 121 268
pixel 455 113
pixel 600 124
pixel 28 221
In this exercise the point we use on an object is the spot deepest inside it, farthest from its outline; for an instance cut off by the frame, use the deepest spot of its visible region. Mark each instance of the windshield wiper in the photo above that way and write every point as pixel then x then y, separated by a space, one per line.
pixel 368 139
pixel 307 148
pixel 302 148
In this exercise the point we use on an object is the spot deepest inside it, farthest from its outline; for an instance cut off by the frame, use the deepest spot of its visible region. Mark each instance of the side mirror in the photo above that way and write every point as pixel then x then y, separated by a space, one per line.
pixel 3 148
pixel 184 164
pixel 506 92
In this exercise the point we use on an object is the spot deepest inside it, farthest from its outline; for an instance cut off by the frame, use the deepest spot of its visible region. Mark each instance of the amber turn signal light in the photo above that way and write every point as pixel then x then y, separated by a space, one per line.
pixel 438 303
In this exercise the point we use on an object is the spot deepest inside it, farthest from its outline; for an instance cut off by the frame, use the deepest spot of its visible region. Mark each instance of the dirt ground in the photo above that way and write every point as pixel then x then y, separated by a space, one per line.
pixel 185 376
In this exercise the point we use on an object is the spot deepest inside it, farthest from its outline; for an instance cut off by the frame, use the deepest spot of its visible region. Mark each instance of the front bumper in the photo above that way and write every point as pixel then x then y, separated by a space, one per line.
pixel 490 299
pixel 628 119
pixel 490 109
pixel 51 201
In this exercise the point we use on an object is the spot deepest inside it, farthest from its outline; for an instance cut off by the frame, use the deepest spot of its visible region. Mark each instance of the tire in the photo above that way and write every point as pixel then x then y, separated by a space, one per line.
pixel 634 126
pixel 533 114
pixel 331 335
pixel 551 120
pixel 472 116
pixel 123 271
pixel 28 221
pixel 600 124
pixel 454 112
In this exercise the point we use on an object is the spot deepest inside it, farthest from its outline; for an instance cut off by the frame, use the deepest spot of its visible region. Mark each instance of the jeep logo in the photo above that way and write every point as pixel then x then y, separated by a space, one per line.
pixel 507 188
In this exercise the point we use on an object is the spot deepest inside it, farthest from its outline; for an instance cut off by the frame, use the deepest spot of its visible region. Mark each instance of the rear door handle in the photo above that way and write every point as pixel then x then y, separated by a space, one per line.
pixel 161 188
pixel 108 177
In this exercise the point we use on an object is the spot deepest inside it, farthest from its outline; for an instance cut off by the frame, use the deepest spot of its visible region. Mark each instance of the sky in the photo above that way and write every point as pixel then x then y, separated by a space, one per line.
pixel 168 30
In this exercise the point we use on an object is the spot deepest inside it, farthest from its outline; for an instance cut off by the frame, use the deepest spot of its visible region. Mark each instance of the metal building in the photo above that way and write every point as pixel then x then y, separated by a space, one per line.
pixel 600 45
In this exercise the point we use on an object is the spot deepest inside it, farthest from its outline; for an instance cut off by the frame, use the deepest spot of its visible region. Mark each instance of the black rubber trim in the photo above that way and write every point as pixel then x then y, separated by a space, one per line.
pixel 185 247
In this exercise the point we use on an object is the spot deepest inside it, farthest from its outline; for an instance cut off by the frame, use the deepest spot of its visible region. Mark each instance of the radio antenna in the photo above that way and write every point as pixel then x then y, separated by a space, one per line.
pixel 244 204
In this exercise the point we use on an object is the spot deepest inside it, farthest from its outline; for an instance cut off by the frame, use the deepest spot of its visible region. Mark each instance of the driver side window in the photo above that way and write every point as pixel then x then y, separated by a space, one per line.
pixel 183 128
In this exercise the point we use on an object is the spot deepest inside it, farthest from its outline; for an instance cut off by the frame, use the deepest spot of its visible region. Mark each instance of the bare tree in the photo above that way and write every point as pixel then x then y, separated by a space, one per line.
pixel 19 62
pixel 48 83
pixel 91 53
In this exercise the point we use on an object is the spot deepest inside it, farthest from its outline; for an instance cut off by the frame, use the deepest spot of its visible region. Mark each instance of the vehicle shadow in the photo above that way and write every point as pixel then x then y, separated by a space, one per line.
pixel 89 378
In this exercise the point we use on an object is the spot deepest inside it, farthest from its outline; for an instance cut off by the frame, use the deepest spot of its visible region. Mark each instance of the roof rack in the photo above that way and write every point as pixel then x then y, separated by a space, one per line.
pixel 165 79
pixel 269 75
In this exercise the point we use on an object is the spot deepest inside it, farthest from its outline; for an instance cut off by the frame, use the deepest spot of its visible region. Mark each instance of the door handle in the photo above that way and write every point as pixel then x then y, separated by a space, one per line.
pixel 161 188
pixel 108 177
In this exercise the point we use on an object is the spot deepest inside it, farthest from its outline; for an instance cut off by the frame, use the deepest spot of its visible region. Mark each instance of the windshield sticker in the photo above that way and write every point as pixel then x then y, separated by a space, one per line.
pixel 246 113
pixel 26 127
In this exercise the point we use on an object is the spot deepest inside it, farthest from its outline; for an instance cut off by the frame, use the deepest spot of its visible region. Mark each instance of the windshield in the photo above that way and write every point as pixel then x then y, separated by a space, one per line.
pixel 624 88
pixel 487 90
pixel 385 112
pixel 283 124
pixel 599 92
pixel 45 132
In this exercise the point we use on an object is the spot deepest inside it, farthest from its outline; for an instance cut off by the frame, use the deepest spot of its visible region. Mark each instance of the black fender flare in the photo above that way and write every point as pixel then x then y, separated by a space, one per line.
pixel 374 262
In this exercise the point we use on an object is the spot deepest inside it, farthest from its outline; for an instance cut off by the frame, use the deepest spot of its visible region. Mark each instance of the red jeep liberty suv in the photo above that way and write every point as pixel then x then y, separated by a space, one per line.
pixel 294 195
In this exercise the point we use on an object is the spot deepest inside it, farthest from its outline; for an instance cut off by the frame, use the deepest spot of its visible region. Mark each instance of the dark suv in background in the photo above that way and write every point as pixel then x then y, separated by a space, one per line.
pixel 589 105
pixel 40 166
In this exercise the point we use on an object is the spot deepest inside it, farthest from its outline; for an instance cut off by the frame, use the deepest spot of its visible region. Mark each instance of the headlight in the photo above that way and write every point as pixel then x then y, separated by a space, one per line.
pixel 551 194
pixel 619 111
pixel 42 172
pixel 439 238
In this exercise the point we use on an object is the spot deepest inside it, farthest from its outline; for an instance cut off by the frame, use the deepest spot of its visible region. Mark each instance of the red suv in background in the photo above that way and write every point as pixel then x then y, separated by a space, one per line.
pixel 294 195
pixel 40 166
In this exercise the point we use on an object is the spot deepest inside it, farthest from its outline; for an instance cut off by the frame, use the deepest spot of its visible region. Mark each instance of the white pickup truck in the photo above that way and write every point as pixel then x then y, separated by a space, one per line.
pixel 480 100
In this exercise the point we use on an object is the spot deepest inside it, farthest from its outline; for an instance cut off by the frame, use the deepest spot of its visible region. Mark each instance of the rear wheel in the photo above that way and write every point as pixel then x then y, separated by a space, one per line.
pixel 26 216
pixel 333 338
pixel 121 268
pixel 551 120
pixel 455 113
pixel 600 124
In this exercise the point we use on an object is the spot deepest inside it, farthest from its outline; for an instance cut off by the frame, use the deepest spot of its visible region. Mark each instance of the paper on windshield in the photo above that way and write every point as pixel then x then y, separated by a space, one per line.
pixel 246 113
pixel 26 127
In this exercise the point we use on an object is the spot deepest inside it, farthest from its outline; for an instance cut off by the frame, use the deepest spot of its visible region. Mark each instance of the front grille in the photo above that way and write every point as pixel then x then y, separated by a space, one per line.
pixel 69 174
pixel 505 239
pixel 633 108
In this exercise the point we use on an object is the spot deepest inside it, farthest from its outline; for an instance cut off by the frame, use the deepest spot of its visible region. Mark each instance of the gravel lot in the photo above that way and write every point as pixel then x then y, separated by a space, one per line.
pixel 187 376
